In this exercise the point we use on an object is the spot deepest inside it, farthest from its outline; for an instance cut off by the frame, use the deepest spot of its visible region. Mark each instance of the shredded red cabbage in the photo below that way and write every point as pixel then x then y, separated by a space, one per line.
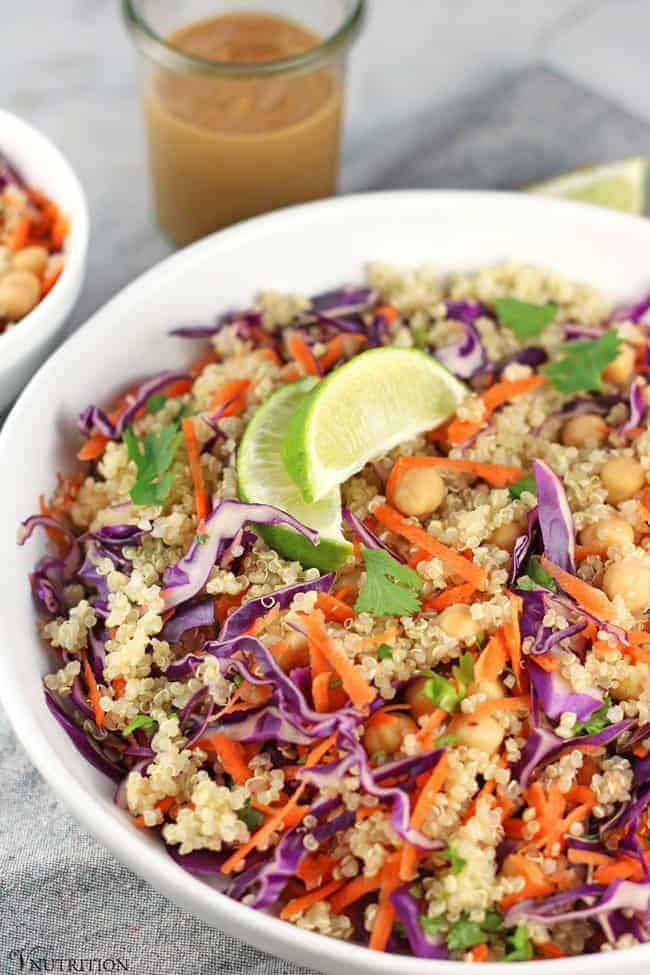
pixel 555 518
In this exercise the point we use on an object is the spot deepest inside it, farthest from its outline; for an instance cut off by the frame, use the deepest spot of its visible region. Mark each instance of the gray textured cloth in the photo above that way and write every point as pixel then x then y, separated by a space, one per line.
pixel 59 889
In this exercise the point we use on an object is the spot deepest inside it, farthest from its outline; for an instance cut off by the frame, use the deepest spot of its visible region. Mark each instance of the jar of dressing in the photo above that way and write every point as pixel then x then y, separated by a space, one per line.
pixel 243 104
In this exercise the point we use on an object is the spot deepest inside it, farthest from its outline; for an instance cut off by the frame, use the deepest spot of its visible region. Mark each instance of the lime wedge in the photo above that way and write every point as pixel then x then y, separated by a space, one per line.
pixel 619 185
pixel 263 479
pixel 362 410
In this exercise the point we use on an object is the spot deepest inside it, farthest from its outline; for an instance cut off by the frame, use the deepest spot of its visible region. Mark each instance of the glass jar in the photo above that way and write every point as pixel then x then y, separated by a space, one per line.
pixel 243 104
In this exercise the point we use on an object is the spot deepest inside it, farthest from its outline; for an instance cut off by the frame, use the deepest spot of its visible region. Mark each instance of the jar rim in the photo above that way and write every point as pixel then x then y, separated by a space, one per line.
pixel 167 55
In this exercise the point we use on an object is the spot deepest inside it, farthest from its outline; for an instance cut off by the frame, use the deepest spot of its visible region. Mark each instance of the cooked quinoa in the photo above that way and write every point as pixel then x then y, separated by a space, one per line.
pixel 469 779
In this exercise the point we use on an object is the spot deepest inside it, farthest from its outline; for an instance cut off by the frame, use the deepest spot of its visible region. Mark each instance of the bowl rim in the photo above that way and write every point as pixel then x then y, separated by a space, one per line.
pixel 129 846
pixel 39 323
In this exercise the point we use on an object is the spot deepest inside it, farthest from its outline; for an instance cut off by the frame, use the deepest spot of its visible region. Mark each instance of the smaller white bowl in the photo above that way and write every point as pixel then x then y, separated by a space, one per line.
pixel 25 347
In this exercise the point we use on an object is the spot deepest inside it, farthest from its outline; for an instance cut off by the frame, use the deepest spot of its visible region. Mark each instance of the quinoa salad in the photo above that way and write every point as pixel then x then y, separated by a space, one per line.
pixel 434 739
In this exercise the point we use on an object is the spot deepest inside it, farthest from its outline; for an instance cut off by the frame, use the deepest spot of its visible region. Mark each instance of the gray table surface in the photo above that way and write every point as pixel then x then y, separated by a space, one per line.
pixel 58 889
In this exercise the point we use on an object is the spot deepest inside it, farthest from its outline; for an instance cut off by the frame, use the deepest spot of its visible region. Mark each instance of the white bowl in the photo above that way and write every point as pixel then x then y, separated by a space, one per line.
pixel 307 249
pixel 24 348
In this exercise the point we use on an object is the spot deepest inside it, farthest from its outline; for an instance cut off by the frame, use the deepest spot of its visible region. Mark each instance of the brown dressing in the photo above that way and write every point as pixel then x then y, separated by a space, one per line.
pixel 223 149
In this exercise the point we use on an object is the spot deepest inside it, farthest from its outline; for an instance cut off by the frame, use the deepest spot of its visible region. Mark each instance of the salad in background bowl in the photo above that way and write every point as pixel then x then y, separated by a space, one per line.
pixel 43 244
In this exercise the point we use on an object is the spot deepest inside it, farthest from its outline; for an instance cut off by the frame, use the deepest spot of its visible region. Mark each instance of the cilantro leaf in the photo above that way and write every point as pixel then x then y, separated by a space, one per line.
pixel 432 925
pixel 155 403
pixel 445 741
pixel 201 539
pixel 456 861
pixel 252 817
pixel 140 721
pixel 492 921
pixel 384 652
pixel 580 370
pixel 464 673
pixel 522 949
pixel 465 934
pixel 597 722
pixel 390 587
pixel 525 484
pixel 152 455
pixel 523 318
pixel 535 571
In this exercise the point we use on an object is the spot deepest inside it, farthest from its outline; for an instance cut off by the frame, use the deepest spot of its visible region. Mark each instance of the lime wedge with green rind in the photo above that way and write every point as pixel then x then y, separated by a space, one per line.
pixel 619 185
pixel 362 410
pixel 263 479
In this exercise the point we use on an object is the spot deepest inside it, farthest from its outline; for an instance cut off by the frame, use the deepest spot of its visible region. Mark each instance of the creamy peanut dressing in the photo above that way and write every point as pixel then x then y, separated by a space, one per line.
pixel 223 149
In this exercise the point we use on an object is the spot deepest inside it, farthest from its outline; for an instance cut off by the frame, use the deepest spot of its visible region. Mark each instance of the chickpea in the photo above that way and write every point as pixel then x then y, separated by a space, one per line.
pixel 510 868
pixel 621 368
pixel 608 532
pixel 629 579
pixel 458 621
pixel 416 698
pixel 484 734
pixel 31 259
pixel 292 651
pixel 493 689
pixel 630 687
pixel 622 477
pixel 419 492
pixel 19 293
pixel 506 535
pixel 584 430
pixel 386 732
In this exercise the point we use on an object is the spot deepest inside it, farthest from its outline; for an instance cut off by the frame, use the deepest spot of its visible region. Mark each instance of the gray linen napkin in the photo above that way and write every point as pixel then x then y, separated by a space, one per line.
pixel 61 894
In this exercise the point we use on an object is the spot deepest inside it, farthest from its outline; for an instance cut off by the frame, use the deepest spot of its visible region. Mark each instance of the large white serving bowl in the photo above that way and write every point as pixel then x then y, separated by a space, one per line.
pixel 303 249
pixel 23 348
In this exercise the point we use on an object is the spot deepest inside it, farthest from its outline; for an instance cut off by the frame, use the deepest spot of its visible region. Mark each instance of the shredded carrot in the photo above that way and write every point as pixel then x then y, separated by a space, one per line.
pixel 588 857
pixel 512 639
pixel 550 950
pixel 587 596
pixel 165 804
pixel 426 734
pixel 50 280
pixel 274 822
pixel 232 396
pixel 231 756
pixel 301 353
pixel 497 475
pixel 356 686
pixel 93 448
pixel 320 692
pixel 480 953
pixel 225 604
pixel 119 686
pixel 194 459
pixel 388 312
pixel 354 891
pixel 139 823
pixel 385 916
pixel 20 234
pixel 452 560
pixel 624 869
pixel 178 388
pixel 585 551
pixel 93 694
pixel 314 868
pixel 333 608
pixel 521 703
pixel 547 661
pixel 299 904
pixel 262 623
pixel 455 596
pixel 461 430
pixel 423 803
pixel 492 659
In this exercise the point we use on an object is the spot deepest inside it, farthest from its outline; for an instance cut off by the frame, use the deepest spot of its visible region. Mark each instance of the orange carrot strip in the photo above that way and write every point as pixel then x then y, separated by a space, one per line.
pixel 497 475
pixel 20 234
pixel 234 394
pixel 231 756
pixel 194 459
pixel 93 694
pixel 547 661
pixel 119 686
pixel 426 734
pixel 480 952
pixel 512 639
pixel 388 312
pixel 273 824
pixel 452 560
pixel 333 608
pixel 354 891
pixel 588 857
pixel 178 388
pixel 495 396
pixel 50 280
pixel 422 806
pixel 299 904
pixel 550 950
pixel 385 916
pixel 585 595
pixel 314 868
pixel 301 353
pixel 320 692
pixel 356 686
pixel 623 869
pixel 93 448
pixel 499 704
pixel 492 659
pixel 450 597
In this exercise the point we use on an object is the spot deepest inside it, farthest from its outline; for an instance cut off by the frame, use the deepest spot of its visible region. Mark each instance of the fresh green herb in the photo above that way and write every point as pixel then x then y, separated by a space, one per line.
pixel 152 456
pixel 384 652
pixel 252 817
pixel 523 318
pixel 441 692
pixel 390 587
pixel 464 673
pixel 456 861
pixel 140 721
pixel 237 680
pixel 335 682
pixel 596 722
pixel 416 890
pixel 201 539
pixel 420 336
pixel 522 949
pixel 580 370
pixel 155 403
pixel 302 760
pixel 525 484
pixel 446 741
pixel 525 583
pixel 432 925
pixel 535 571
pixel 465 934
pixel 492 921
pixel 481 640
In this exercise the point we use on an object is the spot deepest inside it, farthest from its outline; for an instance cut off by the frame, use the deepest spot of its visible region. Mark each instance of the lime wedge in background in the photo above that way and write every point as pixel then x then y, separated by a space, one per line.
pixel 264 480
pixel 362 410
pixel 619 185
